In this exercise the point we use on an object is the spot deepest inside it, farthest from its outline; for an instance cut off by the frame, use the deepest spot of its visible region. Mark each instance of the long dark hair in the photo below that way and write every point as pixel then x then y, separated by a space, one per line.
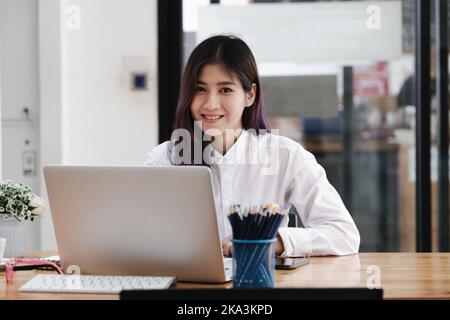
pixel 234 55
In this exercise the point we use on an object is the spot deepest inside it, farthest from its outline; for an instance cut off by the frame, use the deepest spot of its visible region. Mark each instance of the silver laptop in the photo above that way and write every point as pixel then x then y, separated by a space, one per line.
pixel 160 221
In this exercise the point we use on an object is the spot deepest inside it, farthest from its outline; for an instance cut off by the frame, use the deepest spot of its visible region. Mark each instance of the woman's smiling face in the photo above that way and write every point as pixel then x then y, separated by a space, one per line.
pixel 220 99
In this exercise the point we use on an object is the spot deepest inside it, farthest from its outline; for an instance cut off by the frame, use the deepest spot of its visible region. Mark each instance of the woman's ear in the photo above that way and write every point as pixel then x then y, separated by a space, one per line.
pixel 250 96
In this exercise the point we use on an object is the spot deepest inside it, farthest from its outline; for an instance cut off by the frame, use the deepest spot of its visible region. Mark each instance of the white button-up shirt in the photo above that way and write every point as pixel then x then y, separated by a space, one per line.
pixel 275 169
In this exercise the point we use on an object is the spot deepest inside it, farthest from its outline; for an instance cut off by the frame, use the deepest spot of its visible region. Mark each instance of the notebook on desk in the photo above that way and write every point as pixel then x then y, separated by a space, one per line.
pixel 160 221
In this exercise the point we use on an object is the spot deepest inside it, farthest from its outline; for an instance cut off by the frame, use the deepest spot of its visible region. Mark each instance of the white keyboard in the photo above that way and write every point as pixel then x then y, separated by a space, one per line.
pixel 94 284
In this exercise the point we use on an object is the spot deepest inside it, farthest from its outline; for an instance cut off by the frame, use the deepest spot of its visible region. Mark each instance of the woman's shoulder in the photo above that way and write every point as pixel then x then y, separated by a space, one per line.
pixel 160 155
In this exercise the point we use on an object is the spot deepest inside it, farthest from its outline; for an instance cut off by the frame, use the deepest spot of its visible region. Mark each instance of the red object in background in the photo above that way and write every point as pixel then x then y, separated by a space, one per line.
pixel 371 80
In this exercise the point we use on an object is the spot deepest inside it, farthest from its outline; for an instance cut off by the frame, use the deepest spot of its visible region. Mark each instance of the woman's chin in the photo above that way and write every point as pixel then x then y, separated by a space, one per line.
pixel 212 129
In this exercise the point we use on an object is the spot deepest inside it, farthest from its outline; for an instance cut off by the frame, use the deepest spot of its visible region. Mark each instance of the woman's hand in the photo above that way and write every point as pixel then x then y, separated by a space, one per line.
pixel 227 247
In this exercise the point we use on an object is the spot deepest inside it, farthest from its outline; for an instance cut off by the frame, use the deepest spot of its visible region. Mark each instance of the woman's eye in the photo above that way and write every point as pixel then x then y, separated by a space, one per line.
pixel 226 90
pixel 200 89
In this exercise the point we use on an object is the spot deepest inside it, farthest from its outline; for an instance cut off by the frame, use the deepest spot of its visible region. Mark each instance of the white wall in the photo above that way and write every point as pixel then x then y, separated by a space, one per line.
pixel 105 121
pixel 51 107
pixel 1 127
pixel 309 32
pixel 91 115
pixel 19 89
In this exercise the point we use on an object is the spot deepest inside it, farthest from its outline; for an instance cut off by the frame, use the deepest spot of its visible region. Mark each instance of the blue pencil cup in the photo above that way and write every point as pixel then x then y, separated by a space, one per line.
pixel 254 263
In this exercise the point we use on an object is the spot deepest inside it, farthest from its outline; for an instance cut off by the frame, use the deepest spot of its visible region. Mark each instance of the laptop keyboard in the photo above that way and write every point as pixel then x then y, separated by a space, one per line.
pixel 94 284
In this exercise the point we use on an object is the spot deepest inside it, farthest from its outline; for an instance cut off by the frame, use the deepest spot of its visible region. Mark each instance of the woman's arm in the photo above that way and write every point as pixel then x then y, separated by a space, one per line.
pixel 159 155
pixel 329 228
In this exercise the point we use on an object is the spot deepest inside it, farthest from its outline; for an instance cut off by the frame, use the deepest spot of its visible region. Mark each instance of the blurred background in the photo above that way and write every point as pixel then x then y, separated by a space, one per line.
pixel 95 82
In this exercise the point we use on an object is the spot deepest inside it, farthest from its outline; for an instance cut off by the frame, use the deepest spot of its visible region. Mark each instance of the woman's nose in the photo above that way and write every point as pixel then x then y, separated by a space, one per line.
pixel 212 102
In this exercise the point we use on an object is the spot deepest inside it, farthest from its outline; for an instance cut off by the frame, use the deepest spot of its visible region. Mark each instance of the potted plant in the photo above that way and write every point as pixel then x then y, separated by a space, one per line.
pixel 17 204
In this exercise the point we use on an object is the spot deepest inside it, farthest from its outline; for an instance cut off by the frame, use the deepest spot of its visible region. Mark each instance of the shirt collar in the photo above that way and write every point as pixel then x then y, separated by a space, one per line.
pixel 235 153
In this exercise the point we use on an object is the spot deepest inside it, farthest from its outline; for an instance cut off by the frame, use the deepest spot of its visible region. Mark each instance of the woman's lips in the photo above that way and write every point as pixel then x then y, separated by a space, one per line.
pixel 210 118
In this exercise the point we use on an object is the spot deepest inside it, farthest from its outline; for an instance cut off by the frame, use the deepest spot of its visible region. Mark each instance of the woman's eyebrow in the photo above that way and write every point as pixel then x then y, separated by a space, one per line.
pixel 222 83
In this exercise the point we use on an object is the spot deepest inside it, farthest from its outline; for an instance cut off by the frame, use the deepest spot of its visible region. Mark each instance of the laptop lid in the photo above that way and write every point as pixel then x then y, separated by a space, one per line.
pixel 145 220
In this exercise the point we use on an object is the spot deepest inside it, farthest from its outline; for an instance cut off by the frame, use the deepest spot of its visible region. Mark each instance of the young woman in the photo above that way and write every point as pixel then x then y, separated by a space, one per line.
pixel 221 109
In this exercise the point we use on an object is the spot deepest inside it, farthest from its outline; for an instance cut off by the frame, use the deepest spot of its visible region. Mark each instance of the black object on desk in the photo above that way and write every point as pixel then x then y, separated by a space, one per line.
pixel 289 263
pixel 254 294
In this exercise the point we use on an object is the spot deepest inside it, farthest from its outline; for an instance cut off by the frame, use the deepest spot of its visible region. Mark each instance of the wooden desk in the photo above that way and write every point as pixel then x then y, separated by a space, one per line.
pixel 403 276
